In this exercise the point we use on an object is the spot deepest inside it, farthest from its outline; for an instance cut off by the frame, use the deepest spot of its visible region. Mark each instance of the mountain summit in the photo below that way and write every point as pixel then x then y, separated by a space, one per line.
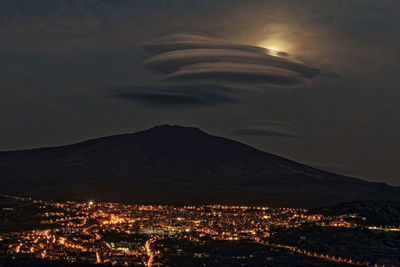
pixel 177 165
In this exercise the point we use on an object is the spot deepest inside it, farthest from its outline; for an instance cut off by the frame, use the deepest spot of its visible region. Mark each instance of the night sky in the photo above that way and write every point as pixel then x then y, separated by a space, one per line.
pixel 314 81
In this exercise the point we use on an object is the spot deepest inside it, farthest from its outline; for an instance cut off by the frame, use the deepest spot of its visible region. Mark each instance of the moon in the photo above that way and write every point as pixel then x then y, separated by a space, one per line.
pixel 274 49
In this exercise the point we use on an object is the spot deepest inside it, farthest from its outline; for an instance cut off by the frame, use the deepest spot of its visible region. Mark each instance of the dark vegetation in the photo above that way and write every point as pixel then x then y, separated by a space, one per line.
pixel 18 216
pixel 176 252
pixel 374 213
pixel 377 247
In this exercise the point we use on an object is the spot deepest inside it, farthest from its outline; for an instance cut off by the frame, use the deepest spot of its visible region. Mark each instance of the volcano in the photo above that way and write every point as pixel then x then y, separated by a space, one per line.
pixel 177 165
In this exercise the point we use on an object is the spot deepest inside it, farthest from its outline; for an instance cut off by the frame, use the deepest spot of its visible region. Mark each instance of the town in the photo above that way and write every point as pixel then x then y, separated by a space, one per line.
pixel 128 235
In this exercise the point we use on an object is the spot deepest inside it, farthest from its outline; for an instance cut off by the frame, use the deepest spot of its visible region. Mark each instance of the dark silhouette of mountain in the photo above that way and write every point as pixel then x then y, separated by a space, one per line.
pixel 177 165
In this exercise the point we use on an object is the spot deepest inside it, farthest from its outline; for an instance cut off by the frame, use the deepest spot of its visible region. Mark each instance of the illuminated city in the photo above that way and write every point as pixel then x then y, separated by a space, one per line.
pixel 128 235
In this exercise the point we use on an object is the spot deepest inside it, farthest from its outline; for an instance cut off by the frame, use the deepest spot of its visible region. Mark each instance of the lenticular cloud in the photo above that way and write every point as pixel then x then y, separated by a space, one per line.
pixel 193 58
pixel 200 71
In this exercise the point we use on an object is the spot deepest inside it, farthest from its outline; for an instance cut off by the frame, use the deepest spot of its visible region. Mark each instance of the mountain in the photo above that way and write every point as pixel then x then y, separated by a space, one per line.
pixel 177 165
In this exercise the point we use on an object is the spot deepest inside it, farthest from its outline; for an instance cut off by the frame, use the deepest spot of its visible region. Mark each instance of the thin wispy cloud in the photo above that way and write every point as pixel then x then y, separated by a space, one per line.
pixel 270 129
pixel 176 96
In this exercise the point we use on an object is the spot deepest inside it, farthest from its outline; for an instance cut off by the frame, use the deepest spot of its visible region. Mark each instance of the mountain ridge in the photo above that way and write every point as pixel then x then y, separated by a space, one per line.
pixel 178 157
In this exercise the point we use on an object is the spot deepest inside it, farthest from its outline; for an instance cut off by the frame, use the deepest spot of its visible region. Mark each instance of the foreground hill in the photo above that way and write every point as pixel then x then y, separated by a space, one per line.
pixel 369 213
pixel 177 165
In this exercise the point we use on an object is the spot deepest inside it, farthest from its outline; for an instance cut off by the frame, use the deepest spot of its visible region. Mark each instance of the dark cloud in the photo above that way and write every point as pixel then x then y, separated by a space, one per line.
pixel 180 96
pixel 270 128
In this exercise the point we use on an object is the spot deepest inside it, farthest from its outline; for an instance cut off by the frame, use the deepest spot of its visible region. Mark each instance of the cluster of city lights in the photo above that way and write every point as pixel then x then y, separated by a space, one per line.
pixel 78 232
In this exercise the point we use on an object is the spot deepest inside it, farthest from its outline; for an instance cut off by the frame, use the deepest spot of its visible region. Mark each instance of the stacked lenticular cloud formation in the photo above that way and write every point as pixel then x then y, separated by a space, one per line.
pixel 202 71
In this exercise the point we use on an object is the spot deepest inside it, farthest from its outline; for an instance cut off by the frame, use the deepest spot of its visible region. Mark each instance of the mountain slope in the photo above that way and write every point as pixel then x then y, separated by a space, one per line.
pixel 174 164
